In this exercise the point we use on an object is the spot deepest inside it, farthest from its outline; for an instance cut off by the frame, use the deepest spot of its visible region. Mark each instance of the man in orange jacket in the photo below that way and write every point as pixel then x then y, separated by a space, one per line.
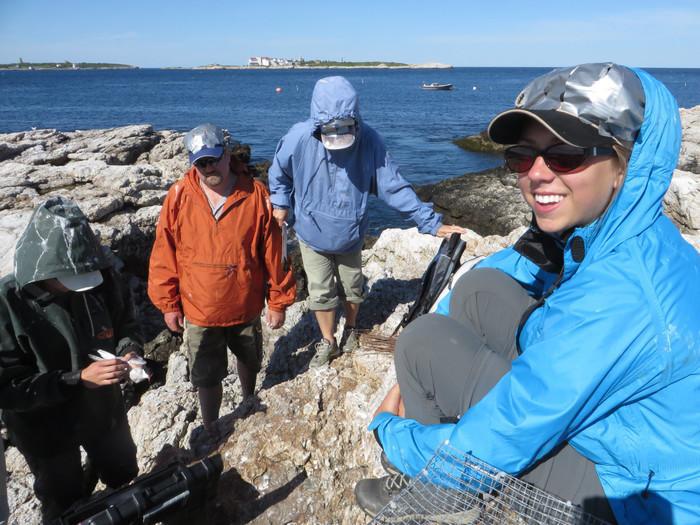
pixel 216 258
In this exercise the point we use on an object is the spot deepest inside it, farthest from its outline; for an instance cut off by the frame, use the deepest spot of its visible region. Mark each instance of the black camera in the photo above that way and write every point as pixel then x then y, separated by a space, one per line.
pixel 168 491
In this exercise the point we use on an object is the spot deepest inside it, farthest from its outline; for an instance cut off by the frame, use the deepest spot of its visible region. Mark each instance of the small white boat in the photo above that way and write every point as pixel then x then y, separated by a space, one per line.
pixel 435 86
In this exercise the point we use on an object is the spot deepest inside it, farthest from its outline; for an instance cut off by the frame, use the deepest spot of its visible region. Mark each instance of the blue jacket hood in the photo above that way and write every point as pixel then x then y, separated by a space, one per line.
pixel 654 157
pixel 333 97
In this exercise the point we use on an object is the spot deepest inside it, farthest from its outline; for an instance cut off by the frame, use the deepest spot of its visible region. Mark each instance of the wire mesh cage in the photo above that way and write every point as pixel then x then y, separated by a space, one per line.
pixel 457 488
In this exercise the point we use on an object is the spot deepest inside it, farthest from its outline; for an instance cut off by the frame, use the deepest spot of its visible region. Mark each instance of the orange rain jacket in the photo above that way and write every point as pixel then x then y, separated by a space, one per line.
pixel 218 272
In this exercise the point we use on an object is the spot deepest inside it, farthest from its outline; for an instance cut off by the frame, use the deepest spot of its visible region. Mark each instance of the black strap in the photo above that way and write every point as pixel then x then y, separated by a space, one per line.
pixel 436 277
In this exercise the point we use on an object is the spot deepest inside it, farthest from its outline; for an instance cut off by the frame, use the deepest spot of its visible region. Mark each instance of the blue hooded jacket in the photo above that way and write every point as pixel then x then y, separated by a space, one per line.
pixel 610 360
pixel 328 190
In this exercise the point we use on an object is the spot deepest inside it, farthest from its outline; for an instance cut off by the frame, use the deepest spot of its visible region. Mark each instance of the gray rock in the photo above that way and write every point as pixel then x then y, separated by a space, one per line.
pixel 682 201
pixel 13 145
pixel 487 202
pixel 12 224
pixel 24 507
pixel 689 159
pixel 96 203
pixel 170 146
pixel 178 371
pixel 480 143
pixel 10 151
pixel 15 174
pixel 46 154
pixel 115 146
pixel 694 240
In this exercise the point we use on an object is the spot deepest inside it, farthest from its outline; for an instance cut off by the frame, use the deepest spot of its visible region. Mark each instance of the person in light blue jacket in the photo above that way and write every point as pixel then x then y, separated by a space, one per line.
pixel 571 359
pixel 325 169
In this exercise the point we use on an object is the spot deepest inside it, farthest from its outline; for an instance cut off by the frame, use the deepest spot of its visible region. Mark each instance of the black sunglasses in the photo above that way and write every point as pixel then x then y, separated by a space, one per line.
pixel 561 158
pixel 206 161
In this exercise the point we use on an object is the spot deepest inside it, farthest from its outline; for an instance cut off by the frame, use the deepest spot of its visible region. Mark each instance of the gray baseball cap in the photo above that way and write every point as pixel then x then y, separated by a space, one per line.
pixel 206 140
pixel 82 282
pixel 585 105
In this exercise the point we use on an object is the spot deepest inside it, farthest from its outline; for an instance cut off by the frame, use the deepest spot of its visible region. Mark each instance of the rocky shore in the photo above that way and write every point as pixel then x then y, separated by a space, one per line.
pixel 294 453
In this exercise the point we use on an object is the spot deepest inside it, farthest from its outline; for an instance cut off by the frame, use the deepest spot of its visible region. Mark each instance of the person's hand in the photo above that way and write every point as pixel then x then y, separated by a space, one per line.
pixel 280 215
pixel 392 403
pixel 446 230
pixel 133 355
pixel 274 319
pixel 174 321
pixel 104 372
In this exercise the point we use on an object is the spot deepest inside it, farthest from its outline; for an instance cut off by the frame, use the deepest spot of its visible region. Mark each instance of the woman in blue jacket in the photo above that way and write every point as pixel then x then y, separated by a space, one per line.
pixel 571 359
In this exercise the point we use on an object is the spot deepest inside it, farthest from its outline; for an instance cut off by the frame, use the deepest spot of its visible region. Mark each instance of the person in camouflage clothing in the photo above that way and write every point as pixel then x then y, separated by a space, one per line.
pixel 63 303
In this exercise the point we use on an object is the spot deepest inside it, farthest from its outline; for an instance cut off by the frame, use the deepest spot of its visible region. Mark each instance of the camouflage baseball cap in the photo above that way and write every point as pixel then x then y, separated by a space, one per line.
pixel 206 140
pixel 585 105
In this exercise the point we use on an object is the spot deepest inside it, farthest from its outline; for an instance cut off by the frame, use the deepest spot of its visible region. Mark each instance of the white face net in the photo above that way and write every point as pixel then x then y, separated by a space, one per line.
pixel 339 134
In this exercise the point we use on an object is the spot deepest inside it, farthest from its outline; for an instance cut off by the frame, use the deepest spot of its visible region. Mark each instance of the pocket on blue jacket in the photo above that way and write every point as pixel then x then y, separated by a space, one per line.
pixel 330 233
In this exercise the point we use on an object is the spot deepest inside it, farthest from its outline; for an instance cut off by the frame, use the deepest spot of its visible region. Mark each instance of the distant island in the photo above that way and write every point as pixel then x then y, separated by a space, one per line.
pixel 275 63
pixel 66 64
pixel 258 62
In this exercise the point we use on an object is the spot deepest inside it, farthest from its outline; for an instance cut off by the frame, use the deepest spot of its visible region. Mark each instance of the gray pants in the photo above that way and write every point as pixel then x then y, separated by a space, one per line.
pixel 445 365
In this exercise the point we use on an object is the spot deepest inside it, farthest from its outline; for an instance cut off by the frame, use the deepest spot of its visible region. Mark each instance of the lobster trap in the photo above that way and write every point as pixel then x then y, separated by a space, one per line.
pixel 459 489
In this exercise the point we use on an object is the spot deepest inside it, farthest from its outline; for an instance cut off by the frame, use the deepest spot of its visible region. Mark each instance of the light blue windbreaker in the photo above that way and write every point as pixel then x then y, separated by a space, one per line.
pixel 328 190
pixel 611 360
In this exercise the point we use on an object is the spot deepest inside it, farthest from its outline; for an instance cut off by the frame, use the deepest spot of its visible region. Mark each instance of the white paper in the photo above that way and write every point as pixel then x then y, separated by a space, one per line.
pixel 137 371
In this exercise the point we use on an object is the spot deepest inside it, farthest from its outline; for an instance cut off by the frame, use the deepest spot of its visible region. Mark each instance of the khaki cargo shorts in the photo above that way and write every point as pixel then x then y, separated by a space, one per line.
pixel 206 350
pixel 333 277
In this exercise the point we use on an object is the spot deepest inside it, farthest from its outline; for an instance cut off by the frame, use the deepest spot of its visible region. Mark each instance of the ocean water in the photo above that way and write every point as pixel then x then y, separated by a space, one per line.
pixel 418 126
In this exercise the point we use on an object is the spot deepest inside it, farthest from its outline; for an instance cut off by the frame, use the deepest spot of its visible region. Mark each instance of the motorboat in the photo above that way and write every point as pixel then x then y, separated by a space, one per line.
pixel 436 86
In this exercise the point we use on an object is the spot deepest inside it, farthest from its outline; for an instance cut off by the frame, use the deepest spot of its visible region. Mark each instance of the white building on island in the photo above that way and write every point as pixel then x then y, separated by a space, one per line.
pixel 260 61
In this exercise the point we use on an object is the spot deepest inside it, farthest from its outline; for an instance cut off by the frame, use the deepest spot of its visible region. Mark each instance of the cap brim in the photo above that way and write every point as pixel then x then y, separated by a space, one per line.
pixel 214 152
pixel 507 127
pixel 82 282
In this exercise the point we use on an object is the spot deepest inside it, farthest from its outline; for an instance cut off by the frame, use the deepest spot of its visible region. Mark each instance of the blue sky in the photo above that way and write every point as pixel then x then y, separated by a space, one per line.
pixel 155 33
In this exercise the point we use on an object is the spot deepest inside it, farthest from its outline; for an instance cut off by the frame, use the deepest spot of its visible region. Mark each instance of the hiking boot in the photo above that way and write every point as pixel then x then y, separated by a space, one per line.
pixel 373 494
pixel 350 340
pixel 325 353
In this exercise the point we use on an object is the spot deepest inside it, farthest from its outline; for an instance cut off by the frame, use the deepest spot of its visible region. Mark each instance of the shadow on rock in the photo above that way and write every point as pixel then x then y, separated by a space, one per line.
pixel 293 351
pixel 201 444
pixel 384 298
pixel 247 407
pixel 292 354
pixel 242 503
pixel 169 453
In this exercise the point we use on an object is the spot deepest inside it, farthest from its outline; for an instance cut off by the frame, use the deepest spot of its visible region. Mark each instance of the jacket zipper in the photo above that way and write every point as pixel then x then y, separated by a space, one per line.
pixel 229 269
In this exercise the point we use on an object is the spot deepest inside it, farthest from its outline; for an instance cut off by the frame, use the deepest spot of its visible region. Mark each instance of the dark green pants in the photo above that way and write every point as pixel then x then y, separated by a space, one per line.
pixel 445 365
pixel 207 355
pixel 59 480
